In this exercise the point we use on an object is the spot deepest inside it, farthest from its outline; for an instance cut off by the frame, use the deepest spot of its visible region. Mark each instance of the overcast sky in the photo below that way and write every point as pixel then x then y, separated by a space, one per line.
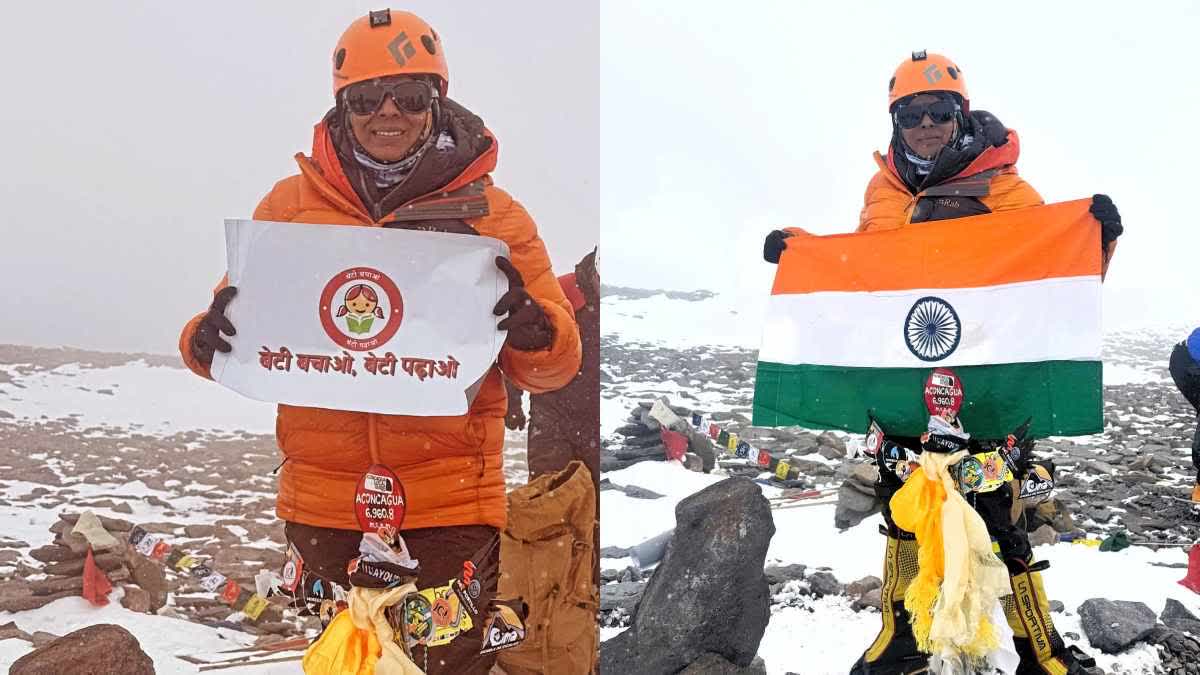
pixel 721 122
pixel 134 128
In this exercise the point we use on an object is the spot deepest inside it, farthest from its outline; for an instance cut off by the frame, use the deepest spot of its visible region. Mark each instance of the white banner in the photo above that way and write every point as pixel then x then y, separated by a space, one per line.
pixel 360 318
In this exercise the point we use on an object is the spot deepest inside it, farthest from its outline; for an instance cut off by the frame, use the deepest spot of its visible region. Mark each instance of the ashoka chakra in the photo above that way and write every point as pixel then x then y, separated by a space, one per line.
pixel 932 329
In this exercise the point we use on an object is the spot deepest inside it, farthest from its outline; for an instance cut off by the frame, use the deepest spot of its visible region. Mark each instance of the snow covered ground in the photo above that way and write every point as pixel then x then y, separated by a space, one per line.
pixel 685 350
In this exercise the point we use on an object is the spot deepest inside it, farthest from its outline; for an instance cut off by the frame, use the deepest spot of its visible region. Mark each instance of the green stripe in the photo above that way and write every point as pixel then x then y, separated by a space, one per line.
pixel 1063 397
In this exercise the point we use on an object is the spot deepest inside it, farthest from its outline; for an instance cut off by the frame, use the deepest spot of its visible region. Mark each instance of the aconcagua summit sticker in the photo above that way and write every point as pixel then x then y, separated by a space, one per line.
pixel 379 500
pixel 943 393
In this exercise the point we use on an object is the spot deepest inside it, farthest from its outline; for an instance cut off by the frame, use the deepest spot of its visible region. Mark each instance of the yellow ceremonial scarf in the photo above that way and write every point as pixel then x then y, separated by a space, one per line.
pixel 359 640
pixel 960 578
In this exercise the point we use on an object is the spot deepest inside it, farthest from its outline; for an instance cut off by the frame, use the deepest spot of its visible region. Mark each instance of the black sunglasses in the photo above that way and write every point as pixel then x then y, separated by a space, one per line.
pixel 941 111
pixel 411 96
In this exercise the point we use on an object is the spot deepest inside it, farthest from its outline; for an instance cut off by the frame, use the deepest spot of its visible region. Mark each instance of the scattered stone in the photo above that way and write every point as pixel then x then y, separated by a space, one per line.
pixel 781 575
pixel 103 648
pixel 824 583
pixel 623 595
pixel 1057 607
pixel 136 600
pixel 147 574
pixel 1112 626
pixel 1043 535
pixel 1176 616
pixel 856 589
pixel 641 493
pixel 693 462
pixel 872 598
pixel 199 531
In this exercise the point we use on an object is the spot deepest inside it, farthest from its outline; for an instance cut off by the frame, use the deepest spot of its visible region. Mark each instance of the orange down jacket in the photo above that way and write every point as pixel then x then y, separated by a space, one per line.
pixel 992 178
pixel 451 467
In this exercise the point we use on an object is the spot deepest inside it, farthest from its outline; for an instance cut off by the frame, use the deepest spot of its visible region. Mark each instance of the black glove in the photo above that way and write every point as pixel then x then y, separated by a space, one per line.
pixel 207 338
pixel 527 325
pixel 1110 219
pixel 774 245
pixel 993 130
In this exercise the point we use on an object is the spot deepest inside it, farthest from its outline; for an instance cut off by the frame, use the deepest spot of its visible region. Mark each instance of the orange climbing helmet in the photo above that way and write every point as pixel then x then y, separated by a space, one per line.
pixel 385 43
pixel 927 72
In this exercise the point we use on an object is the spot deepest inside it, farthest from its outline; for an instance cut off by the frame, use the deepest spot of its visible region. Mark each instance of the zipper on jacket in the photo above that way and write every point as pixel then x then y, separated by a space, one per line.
pixel 373 437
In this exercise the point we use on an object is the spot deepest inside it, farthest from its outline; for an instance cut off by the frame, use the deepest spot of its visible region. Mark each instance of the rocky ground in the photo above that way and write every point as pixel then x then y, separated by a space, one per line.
pixel 212 490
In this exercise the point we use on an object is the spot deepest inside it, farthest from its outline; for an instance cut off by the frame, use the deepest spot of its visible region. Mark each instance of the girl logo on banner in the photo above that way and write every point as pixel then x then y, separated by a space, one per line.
pixel 367 295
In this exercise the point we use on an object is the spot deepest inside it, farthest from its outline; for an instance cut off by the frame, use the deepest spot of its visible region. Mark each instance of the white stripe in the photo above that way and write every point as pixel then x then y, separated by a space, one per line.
pixel 1052 319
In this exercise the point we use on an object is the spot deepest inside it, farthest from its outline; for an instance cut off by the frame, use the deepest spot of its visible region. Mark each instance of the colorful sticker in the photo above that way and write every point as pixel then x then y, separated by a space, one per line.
pixel 503 630
pixel 293 571
pixel 874 441
pixel 983 472
pixel 446 614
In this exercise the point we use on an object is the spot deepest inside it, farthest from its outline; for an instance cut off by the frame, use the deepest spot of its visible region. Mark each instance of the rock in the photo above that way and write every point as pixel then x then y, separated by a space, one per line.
pixel 712 664
pixel 709 594
pixel 41 638
pixel 1043 535
pixel 872 598
pixel 110 524
pixel 780 575
pixel 105 561
pixel 693 462
pixel 1178 617
pixel 136 600
pixel 824 583
pixel 853 506
pixel 857 589
pixel 147 574
pixel 123 507
pixel 9 631
pixel 624 595
pixel 809 467
pixel 700 444
pixel 199 531
pixel 641 493
pixel 652 550
pixel 103 648
pixel 830 453
pixel 631 573
pixel 1057 607
pixel 1179 653
pixel 829 440
pixel 1111 626
pixel 614 552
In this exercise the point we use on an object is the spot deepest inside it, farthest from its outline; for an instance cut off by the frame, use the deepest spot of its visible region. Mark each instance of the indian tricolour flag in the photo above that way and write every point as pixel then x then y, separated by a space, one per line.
pixel 1010 301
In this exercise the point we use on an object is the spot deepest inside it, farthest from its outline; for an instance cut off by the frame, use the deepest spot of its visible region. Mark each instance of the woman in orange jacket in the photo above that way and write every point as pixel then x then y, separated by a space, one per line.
pixel 946 161
pixel 396 152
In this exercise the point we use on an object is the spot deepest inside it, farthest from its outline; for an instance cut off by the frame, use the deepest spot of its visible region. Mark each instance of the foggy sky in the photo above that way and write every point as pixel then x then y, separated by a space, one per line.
pixel 134 129
pixel 721 122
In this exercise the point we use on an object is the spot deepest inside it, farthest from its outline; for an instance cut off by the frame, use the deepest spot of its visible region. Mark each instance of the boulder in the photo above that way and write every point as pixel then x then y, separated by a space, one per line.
pixel 709 594
pixel 103 648
pixel 1112 626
